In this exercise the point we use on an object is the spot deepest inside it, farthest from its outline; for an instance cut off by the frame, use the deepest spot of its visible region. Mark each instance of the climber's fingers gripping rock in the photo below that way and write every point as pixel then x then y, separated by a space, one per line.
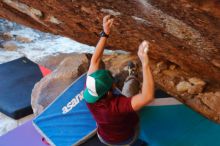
pixel 107 24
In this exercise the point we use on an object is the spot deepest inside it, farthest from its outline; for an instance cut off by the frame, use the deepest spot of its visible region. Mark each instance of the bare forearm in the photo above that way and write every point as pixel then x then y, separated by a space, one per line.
pixel 147 94
pixel 148 84
pixel 97 55
pixel 96 58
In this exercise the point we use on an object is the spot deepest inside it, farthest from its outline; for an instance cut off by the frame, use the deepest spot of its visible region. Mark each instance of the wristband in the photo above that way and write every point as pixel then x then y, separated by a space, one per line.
pixel 103 34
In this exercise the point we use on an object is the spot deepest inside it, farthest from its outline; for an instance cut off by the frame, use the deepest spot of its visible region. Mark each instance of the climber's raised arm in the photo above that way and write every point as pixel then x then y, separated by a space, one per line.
pixel 97 55
pixel 147 93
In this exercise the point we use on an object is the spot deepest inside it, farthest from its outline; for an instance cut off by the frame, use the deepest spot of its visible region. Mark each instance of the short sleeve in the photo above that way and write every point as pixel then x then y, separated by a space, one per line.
pixel 122 105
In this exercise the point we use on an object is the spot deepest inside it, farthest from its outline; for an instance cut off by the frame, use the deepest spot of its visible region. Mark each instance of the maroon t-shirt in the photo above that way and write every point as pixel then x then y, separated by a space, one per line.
pixel 115 117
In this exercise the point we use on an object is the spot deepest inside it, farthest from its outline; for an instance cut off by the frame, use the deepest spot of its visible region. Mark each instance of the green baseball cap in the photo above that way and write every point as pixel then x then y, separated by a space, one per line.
pixel 97 85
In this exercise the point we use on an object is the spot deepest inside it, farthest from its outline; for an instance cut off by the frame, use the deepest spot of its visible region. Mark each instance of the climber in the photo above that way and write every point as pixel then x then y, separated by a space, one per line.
pixel 116 116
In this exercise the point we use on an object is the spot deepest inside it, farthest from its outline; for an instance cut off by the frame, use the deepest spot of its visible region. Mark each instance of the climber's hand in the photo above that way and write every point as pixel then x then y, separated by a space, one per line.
pixel 107 24
pixel 142 52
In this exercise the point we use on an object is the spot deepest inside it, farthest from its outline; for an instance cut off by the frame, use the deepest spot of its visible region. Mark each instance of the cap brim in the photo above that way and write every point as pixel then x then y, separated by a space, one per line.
pixel 89 98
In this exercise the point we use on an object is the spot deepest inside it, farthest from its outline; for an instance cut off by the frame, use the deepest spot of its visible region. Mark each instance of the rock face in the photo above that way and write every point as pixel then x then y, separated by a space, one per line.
pixel 184 36
pixel 189 89
pixel 23 39
pixel 7 36
pixel 69 67
pixel 184 32
pixel 52 85
pixel 201 95
pixel 9 46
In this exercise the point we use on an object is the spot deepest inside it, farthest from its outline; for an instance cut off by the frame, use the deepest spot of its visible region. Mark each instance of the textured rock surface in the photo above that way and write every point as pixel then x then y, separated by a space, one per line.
pixel 52 85
pixel 184 32
pixel 192 90
pixel 52 62
pixel 202 96
pixel 7 36
pixel 67 67
pixel 23 39
pixel 184 36
pixel 9 46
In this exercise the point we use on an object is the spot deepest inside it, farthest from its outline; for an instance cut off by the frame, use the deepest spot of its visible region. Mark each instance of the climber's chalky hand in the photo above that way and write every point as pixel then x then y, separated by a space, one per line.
pixel 142 52
pixel 107 24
